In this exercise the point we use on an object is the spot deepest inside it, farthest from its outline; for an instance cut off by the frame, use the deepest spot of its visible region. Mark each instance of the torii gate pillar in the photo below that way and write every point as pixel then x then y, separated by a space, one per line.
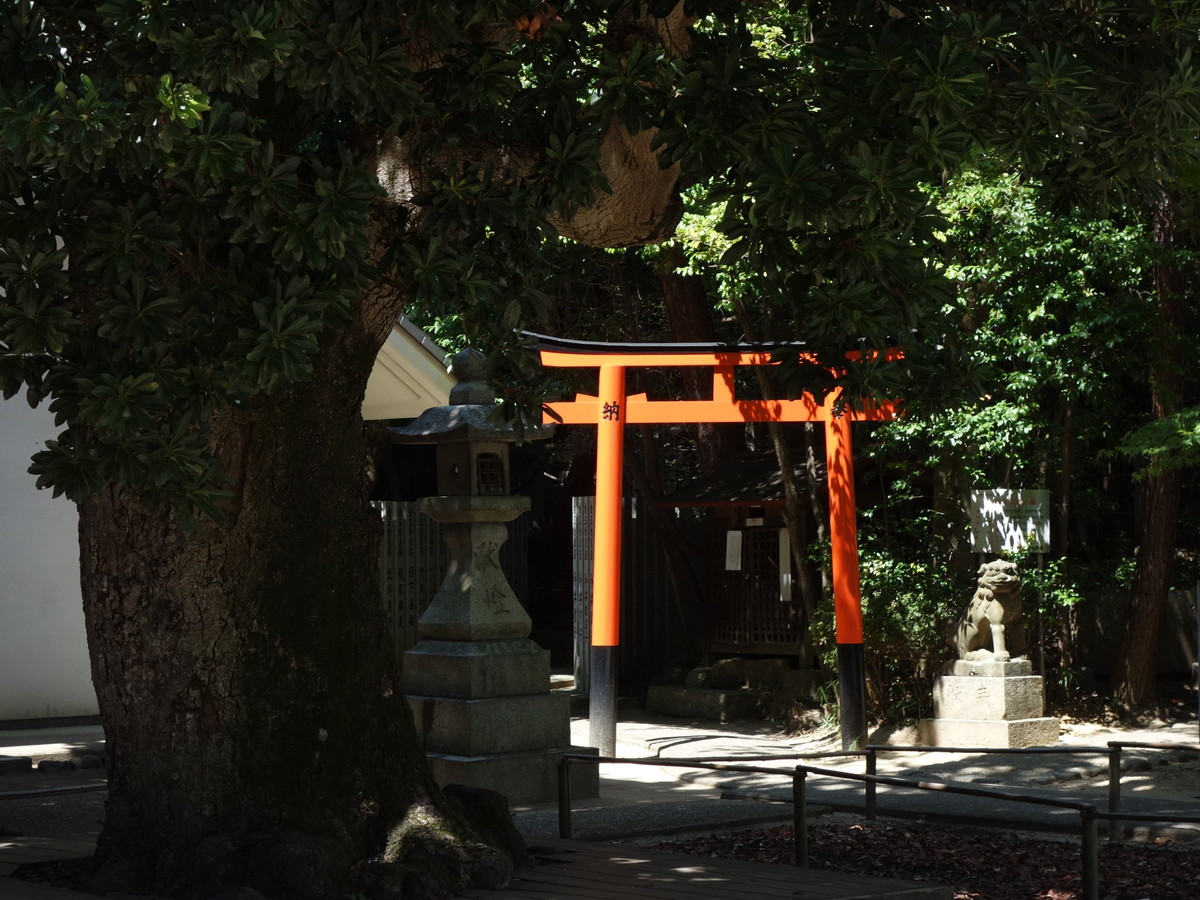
pixel 847 591
pixel 606 567
pixel 612 409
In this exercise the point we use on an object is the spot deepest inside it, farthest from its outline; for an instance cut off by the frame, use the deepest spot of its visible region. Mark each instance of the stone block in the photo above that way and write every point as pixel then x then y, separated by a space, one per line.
pixel 729 674
pixel 969 697
pixel 702 703
pixel 476 669
pixel 799 684
pixel 529 777
pixel 669 675
pixel 492 725
pixel 15 764
pixel 1010 733
pixel 765 674
pixel 989 668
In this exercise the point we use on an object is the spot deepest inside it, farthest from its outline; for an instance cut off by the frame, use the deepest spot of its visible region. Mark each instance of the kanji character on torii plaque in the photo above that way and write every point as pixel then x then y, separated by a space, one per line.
pixel 612 409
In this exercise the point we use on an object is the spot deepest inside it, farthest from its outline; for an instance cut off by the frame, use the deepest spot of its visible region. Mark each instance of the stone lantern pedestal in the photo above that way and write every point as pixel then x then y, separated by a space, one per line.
pixel 478 687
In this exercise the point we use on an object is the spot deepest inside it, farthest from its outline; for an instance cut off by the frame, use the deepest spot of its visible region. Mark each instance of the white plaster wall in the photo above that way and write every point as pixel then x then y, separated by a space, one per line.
pixel 44 669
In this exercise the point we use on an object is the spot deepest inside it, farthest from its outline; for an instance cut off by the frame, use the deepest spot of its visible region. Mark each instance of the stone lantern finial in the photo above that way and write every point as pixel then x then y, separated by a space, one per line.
pixel 472 388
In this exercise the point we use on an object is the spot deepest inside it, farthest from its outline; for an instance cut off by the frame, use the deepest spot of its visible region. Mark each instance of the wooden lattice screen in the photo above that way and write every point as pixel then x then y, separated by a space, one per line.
pixel 657 627
pixel 747 613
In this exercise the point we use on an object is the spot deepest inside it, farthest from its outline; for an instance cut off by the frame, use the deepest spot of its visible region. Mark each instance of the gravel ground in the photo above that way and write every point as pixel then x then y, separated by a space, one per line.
pixel 998 865
pixel 979 865
pixel 990 865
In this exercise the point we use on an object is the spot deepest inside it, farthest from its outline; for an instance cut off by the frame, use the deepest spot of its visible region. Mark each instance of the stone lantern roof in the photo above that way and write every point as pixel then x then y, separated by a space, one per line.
pixel 471 414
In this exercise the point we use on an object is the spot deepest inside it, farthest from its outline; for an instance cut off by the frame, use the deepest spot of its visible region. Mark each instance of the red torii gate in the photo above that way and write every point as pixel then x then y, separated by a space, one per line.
pixel 612 409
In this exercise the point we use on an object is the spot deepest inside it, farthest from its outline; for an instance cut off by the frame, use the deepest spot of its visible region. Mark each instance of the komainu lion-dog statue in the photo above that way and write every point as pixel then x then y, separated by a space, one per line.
pixel 991 627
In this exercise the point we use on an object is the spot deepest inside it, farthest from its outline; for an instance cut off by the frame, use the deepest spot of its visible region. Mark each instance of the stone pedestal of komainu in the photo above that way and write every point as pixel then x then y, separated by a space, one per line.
pixel 989 696
pixel 991 628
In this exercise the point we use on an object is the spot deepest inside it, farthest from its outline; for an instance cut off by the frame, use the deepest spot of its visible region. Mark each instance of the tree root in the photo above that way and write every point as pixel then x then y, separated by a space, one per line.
pixel 434 853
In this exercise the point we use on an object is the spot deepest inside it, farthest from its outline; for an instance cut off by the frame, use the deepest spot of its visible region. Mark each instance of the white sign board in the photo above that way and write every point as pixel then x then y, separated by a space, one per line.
pixel 785 566
pixel 733 551
pixel 1010 520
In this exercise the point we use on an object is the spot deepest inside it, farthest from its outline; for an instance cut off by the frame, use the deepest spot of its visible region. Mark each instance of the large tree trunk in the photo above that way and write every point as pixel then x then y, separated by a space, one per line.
pixel 1134 674
pixel 951 536
pixel 256 732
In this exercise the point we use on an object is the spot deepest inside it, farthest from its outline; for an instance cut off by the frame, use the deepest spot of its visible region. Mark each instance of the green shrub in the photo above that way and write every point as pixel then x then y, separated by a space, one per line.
pixel 908 605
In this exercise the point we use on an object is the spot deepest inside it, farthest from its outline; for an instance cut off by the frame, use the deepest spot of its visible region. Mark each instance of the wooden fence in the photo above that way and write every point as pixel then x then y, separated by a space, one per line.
pixel 658 628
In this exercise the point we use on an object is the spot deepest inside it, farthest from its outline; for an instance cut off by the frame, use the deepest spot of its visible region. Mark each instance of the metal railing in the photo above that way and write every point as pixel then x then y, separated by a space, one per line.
pixel 1112 751
pixel 1089 814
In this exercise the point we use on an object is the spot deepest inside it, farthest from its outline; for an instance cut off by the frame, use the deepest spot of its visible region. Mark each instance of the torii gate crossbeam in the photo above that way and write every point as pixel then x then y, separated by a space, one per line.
pixel 612 409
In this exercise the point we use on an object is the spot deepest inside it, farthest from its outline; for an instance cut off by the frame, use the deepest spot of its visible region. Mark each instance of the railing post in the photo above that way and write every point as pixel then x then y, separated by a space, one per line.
pixel 800 817
pixel 1090 850
pixel 869 803
pixel 1114 790
pixel 564 798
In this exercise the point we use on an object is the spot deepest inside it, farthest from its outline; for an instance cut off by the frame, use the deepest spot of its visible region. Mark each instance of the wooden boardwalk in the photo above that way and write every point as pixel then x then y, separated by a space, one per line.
pixel 571 870
pixel 17 851
pixel 574 870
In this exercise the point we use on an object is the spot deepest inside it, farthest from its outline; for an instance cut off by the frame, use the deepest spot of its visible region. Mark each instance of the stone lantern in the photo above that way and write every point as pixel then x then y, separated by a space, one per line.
pixel 478 687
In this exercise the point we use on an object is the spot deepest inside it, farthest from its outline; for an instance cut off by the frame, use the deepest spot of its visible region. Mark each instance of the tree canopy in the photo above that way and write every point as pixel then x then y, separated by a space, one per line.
pixel 212 174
